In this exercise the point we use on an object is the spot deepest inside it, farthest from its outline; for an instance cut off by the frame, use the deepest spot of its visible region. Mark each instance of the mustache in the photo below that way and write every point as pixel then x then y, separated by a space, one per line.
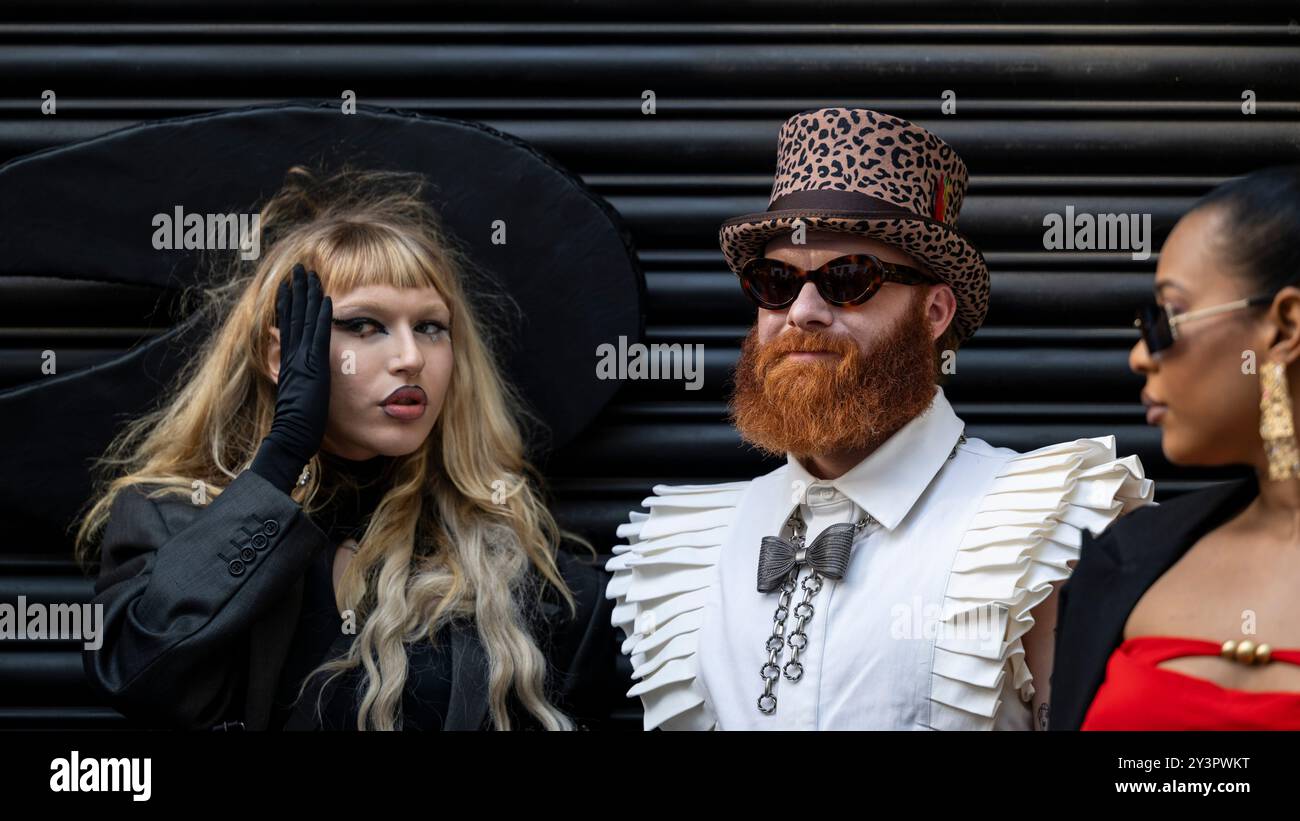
pixel 797 340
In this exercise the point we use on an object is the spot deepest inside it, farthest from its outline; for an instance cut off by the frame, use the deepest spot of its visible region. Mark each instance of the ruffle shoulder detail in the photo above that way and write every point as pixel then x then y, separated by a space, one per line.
pixel 660 581
pixel 1026 530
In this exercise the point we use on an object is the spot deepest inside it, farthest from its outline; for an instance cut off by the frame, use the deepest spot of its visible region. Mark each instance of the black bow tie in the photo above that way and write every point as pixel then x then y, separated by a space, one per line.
pixel 829 555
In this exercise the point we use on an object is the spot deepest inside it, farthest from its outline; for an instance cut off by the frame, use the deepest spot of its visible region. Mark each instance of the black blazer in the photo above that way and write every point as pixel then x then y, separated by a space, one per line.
pixel 1114 570
pixel 200 605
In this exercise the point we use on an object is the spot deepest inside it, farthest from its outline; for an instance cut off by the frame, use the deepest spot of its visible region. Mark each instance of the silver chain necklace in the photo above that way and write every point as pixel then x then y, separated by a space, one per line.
pixel 803 613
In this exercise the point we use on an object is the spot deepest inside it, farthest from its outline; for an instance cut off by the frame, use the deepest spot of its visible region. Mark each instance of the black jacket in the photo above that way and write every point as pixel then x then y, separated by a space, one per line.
pixel 200 605
pixel 1114 570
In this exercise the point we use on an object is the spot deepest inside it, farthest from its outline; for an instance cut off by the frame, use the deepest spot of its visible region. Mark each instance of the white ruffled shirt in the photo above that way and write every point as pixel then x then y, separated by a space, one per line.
pixel 925 629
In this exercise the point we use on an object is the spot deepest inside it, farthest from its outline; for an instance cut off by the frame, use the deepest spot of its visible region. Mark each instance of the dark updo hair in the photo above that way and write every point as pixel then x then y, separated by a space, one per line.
pixel 1262 240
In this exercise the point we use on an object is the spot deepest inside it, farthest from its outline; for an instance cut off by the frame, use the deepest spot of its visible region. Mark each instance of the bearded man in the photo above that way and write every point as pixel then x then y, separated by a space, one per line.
pixel 894 573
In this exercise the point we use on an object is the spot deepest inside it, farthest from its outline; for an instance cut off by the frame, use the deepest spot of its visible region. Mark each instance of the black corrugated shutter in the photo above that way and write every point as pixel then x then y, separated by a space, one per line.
pixel 1107 106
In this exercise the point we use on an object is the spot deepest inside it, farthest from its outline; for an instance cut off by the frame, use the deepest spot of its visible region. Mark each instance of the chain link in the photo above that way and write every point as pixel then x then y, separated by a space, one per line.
pixel 803 613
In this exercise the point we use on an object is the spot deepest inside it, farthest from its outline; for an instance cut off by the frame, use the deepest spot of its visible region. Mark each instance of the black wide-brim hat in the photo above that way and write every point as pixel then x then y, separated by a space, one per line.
pixel 84 211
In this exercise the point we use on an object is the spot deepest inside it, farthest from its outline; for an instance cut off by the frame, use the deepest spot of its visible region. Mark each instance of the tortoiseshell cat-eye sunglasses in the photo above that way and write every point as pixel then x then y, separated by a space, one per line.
pixel 848 280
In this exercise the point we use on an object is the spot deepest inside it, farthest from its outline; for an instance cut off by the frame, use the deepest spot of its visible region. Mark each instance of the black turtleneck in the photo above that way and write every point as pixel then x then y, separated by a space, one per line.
pixel 350 491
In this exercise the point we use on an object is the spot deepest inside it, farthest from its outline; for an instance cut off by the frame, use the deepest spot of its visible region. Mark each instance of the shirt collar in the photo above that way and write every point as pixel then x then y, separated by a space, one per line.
pixel 888 482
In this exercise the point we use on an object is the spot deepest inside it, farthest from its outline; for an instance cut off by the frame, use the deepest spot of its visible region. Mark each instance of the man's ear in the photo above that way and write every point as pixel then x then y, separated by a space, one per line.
pixel 942 307
pixel 273 356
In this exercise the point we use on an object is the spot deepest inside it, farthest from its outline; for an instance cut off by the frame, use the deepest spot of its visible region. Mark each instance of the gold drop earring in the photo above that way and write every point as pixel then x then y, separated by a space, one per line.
pixel 1276 424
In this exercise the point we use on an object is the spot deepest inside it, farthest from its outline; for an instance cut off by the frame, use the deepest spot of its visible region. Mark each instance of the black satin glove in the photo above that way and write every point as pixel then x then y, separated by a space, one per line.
pixel 302 400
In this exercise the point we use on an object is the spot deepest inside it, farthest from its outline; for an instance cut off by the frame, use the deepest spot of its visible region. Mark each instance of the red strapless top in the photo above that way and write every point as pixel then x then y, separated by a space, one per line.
pixel 1137 695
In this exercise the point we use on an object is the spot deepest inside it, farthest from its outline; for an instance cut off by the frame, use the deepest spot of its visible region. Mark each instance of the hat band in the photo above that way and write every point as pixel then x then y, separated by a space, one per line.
pixel 833 199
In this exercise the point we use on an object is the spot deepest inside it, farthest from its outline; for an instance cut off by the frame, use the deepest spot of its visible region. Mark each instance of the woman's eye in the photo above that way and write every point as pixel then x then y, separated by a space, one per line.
pixel 437 328
pixel 356 326
pixel 360 325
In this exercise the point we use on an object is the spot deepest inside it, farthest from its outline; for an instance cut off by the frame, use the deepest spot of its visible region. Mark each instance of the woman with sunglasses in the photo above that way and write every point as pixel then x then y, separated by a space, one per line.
pixel 1183 616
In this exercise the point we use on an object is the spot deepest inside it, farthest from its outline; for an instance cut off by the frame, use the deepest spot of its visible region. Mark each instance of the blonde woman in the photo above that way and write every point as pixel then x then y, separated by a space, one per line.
pixel 330 521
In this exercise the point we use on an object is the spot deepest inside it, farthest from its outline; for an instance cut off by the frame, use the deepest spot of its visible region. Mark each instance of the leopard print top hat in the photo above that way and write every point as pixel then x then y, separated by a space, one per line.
pixel 864 172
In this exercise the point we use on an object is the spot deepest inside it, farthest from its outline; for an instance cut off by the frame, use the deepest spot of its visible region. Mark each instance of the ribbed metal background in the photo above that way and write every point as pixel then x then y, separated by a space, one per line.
pixel 1106 106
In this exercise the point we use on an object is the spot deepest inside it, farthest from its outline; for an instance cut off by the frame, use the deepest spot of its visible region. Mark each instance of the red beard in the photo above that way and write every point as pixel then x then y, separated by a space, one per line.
pixel 853 401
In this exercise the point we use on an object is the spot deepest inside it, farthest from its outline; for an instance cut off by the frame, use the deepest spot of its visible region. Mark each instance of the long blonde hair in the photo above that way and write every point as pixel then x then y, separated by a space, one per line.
pixel 464 520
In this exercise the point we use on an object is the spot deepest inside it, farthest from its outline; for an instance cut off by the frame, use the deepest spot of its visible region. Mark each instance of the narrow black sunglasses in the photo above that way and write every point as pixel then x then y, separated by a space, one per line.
pixel 1158 323
pixel 846 280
